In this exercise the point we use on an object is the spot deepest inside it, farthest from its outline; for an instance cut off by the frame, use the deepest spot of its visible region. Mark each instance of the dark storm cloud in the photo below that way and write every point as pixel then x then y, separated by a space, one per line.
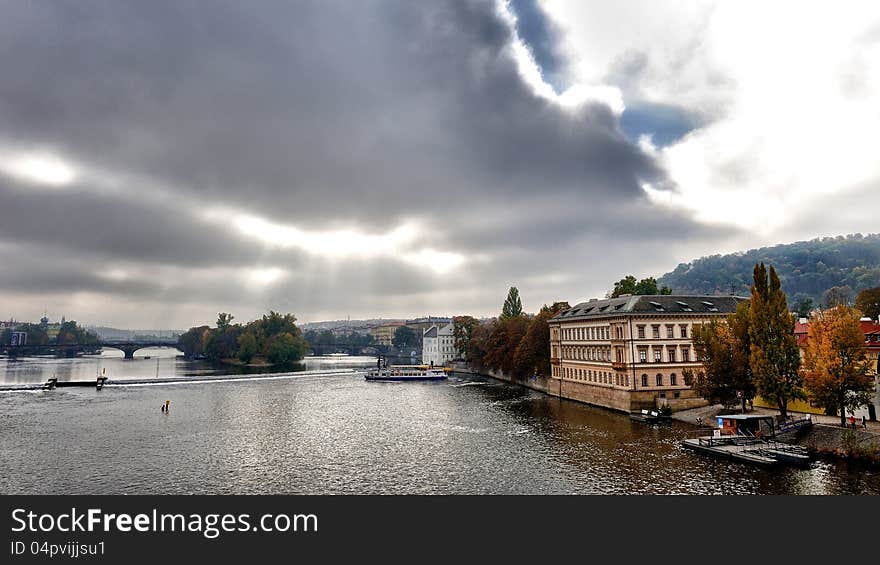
pixel 313 114
pixel 305 109
pixel 116 226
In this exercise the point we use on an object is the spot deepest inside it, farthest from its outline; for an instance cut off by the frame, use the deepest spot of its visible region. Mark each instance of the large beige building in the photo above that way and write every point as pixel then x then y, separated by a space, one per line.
pixel 384 334
pixel 628 353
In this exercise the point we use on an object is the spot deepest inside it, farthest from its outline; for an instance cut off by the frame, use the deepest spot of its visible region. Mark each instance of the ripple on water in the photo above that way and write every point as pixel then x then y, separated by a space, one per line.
pixel 340 434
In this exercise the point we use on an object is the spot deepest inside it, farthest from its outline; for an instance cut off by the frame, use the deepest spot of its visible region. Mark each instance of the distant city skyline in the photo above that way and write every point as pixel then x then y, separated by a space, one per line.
pixel 163 163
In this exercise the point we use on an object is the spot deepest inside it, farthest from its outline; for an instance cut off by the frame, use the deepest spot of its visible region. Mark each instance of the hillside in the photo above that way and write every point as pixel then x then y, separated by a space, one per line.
pixel 807 268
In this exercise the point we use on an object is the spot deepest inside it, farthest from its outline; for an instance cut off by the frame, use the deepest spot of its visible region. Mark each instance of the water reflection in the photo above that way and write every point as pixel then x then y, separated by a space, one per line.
pixel 148 363
pixel 341 434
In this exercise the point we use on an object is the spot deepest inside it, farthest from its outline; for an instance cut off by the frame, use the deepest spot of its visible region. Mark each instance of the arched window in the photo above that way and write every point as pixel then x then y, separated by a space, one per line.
pixel 672 380
pixel 644 380
pixel 659 379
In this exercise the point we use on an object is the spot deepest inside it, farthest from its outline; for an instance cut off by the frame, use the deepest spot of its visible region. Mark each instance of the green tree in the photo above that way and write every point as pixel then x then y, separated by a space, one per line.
pixel 868 302
pixel 190 341
pixel 512 305
pixel 644 287
pixel 836 362
pixel 247 347
pixel 803 306
pixel 224 320
pixel 724 349
pixel 462 332
pixel 286 349
pixel 626 285
pixel 774 357
pixel 404 337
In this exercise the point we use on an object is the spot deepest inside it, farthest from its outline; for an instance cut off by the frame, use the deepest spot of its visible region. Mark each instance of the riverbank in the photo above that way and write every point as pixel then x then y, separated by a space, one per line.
pixel 826 437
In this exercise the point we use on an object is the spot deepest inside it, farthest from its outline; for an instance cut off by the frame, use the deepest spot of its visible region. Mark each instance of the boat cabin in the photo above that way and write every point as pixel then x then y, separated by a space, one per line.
pixel 755 425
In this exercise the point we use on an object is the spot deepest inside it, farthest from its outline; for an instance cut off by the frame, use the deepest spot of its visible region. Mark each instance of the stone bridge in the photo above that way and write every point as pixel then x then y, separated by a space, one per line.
pixel 129 347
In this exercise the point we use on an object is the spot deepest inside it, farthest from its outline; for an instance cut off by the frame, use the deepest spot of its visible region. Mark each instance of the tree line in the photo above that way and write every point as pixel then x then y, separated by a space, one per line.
pixel 514 343
pixel 274 338
pixel 754 351
pixel 69 333
pixel 815 273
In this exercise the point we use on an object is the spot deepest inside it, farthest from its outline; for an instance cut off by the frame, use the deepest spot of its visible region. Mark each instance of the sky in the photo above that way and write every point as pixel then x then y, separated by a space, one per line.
pixel 161 162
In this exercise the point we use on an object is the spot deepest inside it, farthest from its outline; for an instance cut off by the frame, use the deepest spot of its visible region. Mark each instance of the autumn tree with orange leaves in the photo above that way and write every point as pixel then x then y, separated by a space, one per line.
pixel 835 363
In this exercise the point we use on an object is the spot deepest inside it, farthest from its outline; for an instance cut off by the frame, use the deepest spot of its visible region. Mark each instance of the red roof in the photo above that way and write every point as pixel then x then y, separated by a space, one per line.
pixel 870 328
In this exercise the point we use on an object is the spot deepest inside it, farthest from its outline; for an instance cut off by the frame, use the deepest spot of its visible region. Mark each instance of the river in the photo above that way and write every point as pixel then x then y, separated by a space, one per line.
pixel 316 433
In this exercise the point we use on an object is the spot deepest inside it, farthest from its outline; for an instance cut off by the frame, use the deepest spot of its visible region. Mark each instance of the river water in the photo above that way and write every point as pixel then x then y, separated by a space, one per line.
pixel 315 433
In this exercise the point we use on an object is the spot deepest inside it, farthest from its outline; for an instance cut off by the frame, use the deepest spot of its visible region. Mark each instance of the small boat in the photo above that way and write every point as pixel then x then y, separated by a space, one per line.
pixel 649 417
pixel 406 373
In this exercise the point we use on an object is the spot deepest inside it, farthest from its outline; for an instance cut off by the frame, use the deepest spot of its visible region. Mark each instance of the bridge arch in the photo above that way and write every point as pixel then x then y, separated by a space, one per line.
pixel 129 348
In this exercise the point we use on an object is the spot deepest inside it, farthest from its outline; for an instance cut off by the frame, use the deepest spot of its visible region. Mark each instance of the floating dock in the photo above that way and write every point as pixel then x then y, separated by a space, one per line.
pixel 749 450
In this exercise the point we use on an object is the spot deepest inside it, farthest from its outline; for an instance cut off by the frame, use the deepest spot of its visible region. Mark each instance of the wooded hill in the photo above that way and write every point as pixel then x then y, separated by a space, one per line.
pixel 807 269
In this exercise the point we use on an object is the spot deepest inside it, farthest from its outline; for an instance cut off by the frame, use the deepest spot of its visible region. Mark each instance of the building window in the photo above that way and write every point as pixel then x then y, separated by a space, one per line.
pixel 669 331
pixel 684 331
pixel 655 332
pixel 671 353
pixel 672 380
pixel 657 356
pixel 659 379
pixel 643 355
pixel 644 380
pixel 685 353
pixel 641 332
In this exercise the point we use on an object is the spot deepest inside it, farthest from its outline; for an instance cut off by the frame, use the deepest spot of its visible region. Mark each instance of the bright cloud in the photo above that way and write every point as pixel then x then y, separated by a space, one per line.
pixel 42 169
pixel 789 91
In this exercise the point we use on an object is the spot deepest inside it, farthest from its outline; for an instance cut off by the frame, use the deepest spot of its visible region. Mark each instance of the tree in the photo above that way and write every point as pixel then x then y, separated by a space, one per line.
pixel 837 296
pixel 462 332
pixel 723 346
pixel 804 306
pixel 224 320
pixel 644 287
pixel 868 302
pixel 247 347
pixel 512 305
pixel 774 356
pixel 626 285
pixel 286 349
pixel 532 356
pixel 503 341
pixel 836 363
pixel 404 337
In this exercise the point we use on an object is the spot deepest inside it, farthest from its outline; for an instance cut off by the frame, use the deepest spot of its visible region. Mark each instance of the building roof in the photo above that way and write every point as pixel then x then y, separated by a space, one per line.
pixel 870 328
pixel 430 332
pixel 650 304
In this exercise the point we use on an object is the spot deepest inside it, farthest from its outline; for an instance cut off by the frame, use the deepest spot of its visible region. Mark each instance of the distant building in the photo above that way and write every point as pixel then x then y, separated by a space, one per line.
pixel 421 325
pixel 628 353
pixel 384 334
pixel 438 347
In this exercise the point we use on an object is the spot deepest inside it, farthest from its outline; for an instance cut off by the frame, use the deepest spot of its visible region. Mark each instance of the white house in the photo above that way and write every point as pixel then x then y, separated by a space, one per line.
pixel 438 347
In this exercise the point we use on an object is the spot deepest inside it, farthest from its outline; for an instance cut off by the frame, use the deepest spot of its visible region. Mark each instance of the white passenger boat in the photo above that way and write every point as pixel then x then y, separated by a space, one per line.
pixel 406 373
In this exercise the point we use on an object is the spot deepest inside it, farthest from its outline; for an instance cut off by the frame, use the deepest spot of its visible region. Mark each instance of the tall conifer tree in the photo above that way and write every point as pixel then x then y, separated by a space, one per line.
pixel 774 358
